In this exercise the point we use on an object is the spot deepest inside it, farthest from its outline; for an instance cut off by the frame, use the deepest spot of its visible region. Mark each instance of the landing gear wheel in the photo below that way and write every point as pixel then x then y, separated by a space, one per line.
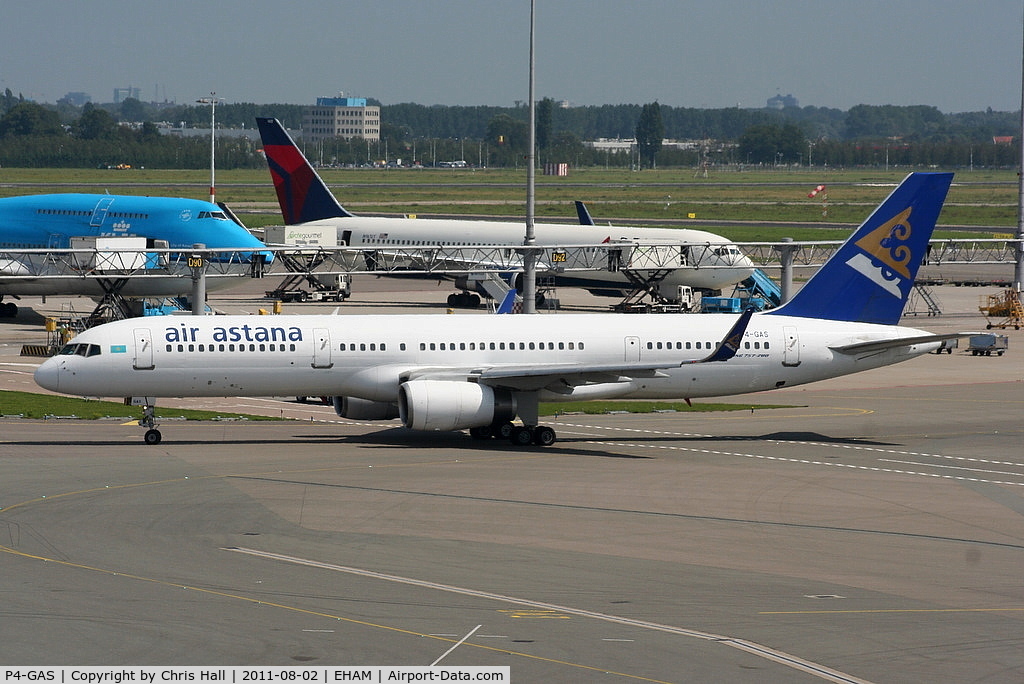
pixel 521 436
pixel 152 437
pixel 503 430
pixel 543 436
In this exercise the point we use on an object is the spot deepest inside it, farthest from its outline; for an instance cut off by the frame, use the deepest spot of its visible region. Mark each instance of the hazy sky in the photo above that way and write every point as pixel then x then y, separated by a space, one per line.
pixel 953 54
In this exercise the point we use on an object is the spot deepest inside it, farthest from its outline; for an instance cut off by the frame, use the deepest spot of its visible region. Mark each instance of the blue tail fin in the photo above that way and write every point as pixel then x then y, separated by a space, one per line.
pixel 303 196
pixel 584 216
pixel 870 277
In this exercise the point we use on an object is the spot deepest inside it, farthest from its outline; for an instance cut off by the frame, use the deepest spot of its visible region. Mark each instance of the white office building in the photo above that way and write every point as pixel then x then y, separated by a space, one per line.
pixel 341 117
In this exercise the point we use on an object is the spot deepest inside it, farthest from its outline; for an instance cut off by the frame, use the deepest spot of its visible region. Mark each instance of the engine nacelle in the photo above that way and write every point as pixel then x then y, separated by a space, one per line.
pixel 451 405
pixel 354 408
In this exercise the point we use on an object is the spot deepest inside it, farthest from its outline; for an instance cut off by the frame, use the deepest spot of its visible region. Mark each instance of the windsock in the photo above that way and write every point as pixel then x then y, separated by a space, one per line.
pixel 815 191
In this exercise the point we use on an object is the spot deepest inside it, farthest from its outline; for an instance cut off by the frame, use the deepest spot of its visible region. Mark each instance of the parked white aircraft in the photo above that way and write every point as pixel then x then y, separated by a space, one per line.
pixel 453 372
pixel 710 262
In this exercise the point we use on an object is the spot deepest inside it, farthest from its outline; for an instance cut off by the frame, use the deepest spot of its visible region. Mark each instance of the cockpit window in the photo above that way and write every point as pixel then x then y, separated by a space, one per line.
pixel 213 214
pixel 80 349
pixel 731 254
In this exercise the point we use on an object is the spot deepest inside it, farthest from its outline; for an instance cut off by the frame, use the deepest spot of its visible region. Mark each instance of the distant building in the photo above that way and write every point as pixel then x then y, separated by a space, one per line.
pixel 341 117
pixel 782 101
pixel 75 99
pixel 122 94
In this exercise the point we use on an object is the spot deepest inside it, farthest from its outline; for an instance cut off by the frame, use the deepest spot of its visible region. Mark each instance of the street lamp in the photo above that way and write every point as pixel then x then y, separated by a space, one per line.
pixel 212 101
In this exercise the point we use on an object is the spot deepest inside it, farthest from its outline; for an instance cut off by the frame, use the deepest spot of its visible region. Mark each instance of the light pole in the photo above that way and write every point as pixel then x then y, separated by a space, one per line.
pixel 212 101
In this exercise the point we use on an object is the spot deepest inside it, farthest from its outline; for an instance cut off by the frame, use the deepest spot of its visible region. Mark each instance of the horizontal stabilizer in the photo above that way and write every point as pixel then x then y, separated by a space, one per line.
pixel 894 342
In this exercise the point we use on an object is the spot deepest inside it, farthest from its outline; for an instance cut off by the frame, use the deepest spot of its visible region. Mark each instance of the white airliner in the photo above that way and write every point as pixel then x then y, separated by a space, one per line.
pixel 708 262
pixel 453 372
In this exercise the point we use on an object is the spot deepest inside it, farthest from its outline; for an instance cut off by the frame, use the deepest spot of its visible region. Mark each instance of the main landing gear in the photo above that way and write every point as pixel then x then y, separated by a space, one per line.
pixel 518 435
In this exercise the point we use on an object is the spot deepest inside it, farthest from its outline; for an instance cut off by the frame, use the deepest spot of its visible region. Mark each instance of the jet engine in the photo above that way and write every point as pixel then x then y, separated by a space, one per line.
pixel 354 408
pixel 450 405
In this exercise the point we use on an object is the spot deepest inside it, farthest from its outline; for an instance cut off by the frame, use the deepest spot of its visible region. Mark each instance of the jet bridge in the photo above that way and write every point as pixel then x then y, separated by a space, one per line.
pixel 120 274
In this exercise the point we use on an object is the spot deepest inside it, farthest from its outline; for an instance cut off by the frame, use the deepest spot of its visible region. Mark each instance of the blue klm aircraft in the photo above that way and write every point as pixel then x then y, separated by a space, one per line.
pixel 54 221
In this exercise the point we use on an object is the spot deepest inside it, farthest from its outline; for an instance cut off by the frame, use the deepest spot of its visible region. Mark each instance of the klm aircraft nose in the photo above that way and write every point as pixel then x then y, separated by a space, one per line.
pixel 47 375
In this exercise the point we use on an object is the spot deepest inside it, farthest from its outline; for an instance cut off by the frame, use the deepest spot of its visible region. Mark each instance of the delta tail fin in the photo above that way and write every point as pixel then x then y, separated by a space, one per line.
pixel 870 277
pixel 302 194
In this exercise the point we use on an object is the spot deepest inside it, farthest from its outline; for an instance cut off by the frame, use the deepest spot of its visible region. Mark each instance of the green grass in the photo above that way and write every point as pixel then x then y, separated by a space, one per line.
pixel 29 405
pixel 980 198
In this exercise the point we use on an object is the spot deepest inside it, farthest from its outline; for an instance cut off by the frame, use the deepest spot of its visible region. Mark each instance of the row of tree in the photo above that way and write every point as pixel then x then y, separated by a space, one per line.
pixel 912 123
pixel 92 135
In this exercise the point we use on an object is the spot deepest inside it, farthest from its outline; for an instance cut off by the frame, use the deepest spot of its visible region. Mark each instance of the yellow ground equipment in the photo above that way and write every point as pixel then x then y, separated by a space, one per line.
pixel 1003 310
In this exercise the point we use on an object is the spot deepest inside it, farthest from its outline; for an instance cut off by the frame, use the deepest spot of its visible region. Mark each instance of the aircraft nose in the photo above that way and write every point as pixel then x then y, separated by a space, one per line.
pixel 47 375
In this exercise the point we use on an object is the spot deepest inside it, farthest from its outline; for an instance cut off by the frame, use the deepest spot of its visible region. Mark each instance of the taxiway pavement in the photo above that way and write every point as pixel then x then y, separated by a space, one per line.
pixel 871 531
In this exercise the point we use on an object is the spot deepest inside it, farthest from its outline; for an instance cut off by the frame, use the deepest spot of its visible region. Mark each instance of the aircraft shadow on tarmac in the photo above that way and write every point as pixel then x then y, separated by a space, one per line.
pixel 400 437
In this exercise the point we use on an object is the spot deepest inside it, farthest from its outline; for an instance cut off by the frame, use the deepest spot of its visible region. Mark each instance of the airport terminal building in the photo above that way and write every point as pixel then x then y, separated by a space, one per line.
pixel 341 117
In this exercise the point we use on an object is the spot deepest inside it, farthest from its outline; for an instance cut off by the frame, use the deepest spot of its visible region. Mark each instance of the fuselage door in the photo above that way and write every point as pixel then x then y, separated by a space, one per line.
pixel 632 349
pixel 791 347
pixel 99 214
pixel 322 348
pixel 143 350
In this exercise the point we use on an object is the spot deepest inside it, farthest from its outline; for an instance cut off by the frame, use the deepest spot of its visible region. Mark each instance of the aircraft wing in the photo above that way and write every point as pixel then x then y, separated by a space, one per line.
pixel 894 342
pixel 560 376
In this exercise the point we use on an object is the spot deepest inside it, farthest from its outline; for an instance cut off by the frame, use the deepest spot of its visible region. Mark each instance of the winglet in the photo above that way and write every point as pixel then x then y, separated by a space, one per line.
pixel 508 303
pixel 584 216
pixel 302 194
pixel 869 278
pixel 730 344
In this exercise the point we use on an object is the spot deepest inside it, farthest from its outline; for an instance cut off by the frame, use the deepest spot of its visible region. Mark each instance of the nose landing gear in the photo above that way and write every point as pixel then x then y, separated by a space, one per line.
pixel 148 420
